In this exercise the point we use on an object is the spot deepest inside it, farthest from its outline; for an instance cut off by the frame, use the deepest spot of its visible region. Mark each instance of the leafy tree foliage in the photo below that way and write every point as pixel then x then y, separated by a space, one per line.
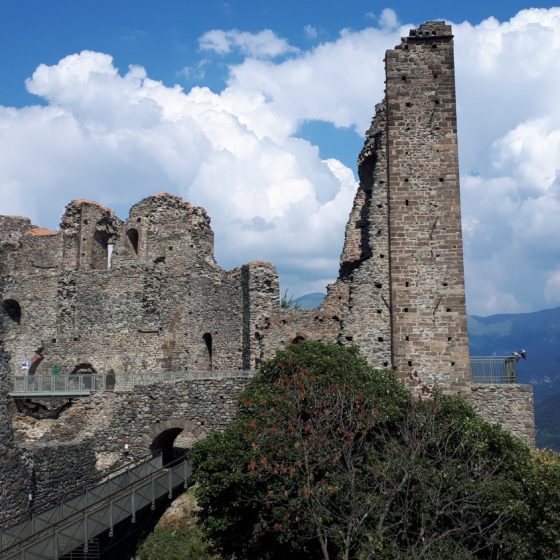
pixel 182 542
pixel 329 458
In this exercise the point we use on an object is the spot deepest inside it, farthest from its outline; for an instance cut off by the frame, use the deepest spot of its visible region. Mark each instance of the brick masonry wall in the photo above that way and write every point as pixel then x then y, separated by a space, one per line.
pixel 510 405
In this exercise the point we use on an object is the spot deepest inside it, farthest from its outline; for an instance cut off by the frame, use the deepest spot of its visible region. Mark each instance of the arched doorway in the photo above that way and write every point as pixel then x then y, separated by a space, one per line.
pixel 100 251
pixel 164 443
pixel 207 362
pixel 172 438
pixel 83 369
pixel 133 237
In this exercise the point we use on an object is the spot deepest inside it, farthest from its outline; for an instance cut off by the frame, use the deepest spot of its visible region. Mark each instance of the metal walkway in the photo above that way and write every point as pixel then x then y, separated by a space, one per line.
pixel 76 522
pixel 83 385
pixel 484 369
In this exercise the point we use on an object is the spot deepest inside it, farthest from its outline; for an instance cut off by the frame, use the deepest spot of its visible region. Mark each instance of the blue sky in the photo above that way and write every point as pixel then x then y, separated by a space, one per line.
pixel 256 111
pixel 163 36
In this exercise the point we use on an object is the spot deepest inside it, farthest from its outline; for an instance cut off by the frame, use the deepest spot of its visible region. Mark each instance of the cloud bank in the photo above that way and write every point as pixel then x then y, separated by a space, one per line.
pixel 118 136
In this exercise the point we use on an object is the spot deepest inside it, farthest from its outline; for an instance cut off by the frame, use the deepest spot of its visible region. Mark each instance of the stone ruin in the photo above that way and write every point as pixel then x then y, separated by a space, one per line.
pixel 146 294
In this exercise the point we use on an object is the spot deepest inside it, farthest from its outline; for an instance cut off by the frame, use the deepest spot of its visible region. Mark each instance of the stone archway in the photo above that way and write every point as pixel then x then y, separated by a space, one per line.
pixel 172 438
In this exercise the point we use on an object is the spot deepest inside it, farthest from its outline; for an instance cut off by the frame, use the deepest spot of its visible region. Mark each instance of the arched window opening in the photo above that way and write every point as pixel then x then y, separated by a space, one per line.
pixel 12 310
pixel 100 251
pixel 132 235
pixel 83 369
pixel 164 443
pixel 207 338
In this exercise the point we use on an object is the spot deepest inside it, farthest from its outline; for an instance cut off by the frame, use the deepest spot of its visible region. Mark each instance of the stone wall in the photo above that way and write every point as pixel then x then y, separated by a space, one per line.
pixel 510 405
pixel 14 464
pixel 143 295
pixel 15 483
pixel 61 469
pixel 426 252
pixel 105 422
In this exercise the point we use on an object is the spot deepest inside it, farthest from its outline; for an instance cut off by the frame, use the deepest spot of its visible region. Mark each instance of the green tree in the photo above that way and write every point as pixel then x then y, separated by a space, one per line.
pixel 329 458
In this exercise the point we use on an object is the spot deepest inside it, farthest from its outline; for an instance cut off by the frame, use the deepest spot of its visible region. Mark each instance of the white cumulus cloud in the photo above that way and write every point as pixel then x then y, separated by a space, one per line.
pixel 264 44
pixel 117 136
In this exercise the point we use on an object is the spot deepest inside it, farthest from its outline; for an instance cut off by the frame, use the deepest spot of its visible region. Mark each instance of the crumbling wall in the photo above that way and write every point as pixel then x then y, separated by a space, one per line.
pixel 426 253
pixel 143 295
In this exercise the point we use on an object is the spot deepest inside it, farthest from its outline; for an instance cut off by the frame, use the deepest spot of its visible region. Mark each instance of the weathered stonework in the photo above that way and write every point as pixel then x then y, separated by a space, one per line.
pixel 15 471
pixel 510 405
pixel 60 469
pixel 146 294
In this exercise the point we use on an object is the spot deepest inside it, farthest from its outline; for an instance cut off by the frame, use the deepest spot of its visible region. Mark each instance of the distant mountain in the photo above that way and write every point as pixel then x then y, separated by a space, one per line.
pixel 547 419
pixel 537 332
pixel 310 301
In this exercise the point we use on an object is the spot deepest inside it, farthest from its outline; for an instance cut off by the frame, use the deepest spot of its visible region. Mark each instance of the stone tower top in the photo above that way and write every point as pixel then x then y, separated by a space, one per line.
pixel 429 29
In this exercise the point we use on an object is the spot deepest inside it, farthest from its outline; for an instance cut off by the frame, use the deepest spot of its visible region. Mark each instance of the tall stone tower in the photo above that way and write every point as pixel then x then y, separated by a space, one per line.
pixel 402 263
pixel 424 213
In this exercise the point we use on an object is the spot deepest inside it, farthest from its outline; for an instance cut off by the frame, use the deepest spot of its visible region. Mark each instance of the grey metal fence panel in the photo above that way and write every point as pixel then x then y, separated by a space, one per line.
pixel 22 386
pixel 493 369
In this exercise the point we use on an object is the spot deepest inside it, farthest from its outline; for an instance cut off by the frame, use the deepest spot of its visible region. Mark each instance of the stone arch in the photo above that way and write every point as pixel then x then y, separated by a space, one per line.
pixel 133 237
pixel 11 308
pixel 83 368
pixel 161 437
pixel 300 337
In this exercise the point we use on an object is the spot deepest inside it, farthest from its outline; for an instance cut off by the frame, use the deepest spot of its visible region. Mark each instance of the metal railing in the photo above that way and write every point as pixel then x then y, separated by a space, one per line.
pixel 24 386
pixel 55 385
pixel 73 523
pixel 493 369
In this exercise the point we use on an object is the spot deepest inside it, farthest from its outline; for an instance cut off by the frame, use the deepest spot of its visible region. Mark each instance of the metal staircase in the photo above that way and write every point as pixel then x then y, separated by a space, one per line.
pixel 69 530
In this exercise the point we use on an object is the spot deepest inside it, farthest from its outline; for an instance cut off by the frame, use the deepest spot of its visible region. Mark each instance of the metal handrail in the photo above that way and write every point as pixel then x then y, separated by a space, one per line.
pixel 54 384
pixel 86 384
pixel 493 369
pixel 88 503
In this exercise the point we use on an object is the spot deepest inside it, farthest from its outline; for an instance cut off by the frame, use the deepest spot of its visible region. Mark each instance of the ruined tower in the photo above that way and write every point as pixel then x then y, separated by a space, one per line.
pixel 425 243
pixel 402 261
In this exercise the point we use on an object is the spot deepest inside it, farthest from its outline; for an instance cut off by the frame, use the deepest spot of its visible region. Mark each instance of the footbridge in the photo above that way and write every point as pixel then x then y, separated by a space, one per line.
pixel 492 369
pixel 71 528
pixel 84 385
